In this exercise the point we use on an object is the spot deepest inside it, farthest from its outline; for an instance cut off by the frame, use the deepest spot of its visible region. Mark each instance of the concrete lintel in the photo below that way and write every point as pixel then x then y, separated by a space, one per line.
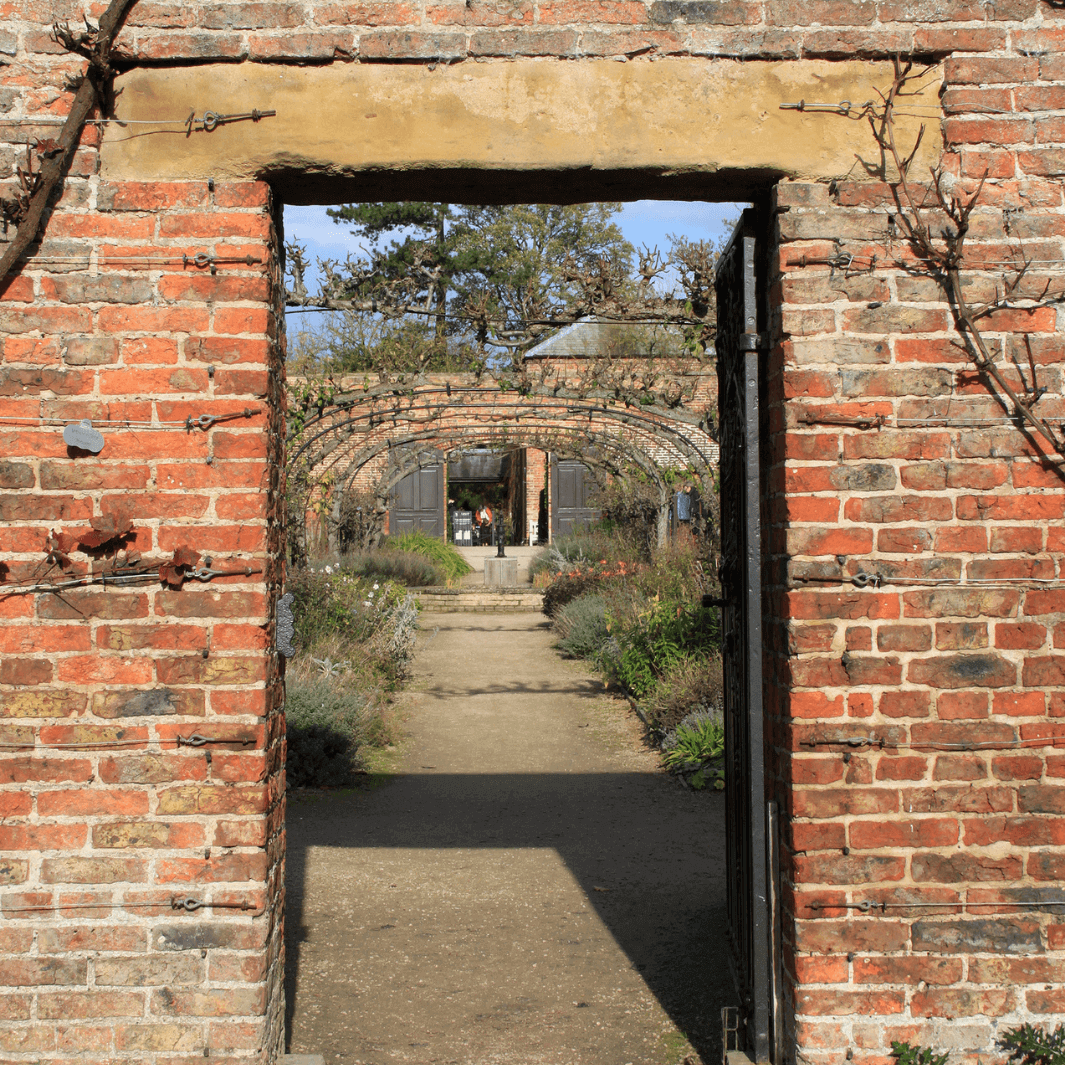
pixel 704 127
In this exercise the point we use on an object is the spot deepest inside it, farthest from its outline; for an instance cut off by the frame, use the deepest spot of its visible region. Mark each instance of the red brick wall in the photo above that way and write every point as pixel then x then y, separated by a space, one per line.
pixel 157 31
pixel 96 840
pixel 963 682
pixel 535 483
pixel 106 818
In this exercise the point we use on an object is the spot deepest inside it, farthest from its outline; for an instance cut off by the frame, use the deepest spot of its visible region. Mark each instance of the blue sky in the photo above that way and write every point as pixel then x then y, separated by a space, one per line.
pixel 643 222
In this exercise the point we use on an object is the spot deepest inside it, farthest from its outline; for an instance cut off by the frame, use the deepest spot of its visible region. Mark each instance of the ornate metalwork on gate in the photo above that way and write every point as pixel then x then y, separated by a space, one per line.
pixel 738 410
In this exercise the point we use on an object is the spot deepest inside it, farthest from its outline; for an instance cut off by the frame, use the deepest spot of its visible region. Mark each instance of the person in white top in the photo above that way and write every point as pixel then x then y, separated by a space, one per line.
pixel 482 519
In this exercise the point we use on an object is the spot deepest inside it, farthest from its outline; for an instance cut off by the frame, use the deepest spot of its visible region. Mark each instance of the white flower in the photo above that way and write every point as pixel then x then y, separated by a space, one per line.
pixel 376 586
pixel 329 569
pixel 366 602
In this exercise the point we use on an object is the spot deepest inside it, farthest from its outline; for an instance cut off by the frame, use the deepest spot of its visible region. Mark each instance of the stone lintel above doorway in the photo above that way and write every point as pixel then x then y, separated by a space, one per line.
pixel 688 127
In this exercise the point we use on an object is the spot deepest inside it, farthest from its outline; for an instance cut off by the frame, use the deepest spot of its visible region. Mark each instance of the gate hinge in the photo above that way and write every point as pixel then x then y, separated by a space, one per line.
pixel 752 342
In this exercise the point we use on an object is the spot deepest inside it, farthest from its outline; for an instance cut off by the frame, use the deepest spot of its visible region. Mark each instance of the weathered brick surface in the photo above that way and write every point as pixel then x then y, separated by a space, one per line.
pixel 949 816
pixel 956 803
pixel 107 817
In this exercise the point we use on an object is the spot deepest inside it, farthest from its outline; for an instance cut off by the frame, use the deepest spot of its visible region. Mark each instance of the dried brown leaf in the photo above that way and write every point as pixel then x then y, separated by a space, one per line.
pixel 172 571
pixel 106 528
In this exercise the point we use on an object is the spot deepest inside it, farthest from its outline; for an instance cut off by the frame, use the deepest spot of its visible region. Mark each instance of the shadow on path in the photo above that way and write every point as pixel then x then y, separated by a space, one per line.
pixel 477 916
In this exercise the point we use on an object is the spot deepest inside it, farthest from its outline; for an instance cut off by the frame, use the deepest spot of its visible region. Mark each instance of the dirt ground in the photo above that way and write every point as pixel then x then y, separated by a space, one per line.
pixel 530 889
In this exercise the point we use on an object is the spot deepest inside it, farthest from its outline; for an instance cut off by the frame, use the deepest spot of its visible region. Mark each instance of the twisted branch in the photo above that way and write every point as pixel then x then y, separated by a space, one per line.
pixel 95 45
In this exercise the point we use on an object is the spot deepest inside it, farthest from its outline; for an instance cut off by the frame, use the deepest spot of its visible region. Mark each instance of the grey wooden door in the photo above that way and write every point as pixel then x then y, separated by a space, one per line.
pixel 572 485
pixel 417 502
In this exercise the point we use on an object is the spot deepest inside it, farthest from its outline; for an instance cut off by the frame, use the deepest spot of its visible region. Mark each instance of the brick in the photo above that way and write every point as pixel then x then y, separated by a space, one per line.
pixel 847 541
pixel 1022 635
pixel 874 835
pixel 961 635
pixel 222 869
pixel 959 767
pixel 148 971
pixel 171 1038
pixel 898 509
pixel 967 799
pixel 1001 936
pixel 42 972
pixel 81 803
pixel 955 1003
pixel 93 870
pixel 195 669
pixel 904 541
pixel 150 769
pixel 904 637
pixel 834 802
pixel 212 800
pixel 231 1002
pixel 959 868
pixel 84 1004
pixel 41 837
pixel 912 767
pixel 849 1003
pixel 153 702
pixel 960 602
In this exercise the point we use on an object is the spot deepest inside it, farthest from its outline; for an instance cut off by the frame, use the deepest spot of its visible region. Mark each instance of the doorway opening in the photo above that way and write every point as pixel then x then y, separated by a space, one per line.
pixel 449 471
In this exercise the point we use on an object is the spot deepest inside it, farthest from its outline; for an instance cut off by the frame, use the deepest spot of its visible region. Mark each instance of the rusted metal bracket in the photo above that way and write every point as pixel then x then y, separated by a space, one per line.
pixel 197 740
pixel 212 120
pixel 205 421
pixel 872 421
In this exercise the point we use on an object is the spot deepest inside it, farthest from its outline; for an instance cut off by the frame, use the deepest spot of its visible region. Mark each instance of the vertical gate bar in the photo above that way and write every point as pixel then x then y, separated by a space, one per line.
pixel 776 961
pixel 749 923
pixel 759 916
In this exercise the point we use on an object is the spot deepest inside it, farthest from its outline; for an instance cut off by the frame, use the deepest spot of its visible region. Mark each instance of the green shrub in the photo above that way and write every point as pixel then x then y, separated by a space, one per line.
pixel 331 603
pixel 444 556
pixel 586 548
pixel 582 626
pixel 403 567
pixel 663 635
pixel 326 724
pixel 565 589
pixel 1029 1045
pixel 692 683
pixel 697 746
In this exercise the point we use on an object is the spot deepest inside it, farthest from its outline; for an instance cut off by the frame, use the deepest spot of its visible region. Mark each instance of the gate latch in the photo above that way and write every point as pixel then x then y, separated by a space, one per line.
pixel 752 342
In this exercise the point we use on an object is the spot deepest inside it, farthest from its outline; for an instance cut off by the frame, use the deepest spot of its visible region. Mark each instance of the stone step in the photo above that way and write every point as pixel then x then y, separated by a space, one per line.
pixel 482 600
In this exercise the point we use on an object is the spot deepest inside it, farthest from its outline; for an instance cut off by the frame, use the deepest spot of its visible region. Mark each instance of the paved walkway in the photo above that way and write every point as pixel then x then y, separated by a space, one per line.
pixel 530 891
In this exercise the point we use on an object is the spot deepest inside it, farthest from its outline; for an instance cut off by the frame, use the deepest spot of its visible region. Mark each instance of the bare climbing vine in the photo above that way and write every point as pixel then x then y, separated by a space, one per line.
pixel 27 207
pixel 935 220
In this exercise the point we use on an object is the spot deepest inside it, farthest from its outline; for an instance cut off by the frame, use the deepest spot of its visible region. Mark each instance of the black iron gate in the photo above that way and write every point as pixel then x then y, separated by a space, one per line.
pixel 737 347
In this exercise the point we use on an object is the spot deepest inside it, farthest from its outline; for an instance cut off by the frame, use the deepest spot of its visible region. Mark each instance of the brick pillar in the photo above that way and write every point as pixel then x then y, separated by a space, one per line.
pixel 535 481
pixel 913 724
pixel 108 818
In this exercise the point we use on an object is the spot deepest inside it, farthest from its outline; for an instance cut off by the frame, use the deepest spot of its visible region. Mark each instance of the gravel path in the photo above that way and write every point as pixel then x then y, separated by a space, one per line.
pixel 531 890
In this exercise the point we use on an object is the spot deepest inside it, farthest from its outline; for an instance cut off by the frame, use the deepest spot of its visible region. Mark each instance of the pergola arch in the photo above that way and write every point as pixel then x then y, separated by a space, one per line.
pixel 619 438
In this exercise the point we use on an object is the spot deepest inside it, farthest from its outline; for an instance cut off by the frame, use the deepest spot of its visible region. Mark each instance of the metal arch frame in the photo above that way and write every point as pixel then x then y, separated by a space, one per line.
pixel 434 434
pixel 650 424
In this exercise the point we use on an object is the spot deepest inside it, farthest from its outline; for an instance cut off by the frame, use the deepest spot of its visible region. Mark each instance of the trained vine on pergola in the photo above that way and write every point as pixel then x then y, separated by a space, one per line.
pixel 621 409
